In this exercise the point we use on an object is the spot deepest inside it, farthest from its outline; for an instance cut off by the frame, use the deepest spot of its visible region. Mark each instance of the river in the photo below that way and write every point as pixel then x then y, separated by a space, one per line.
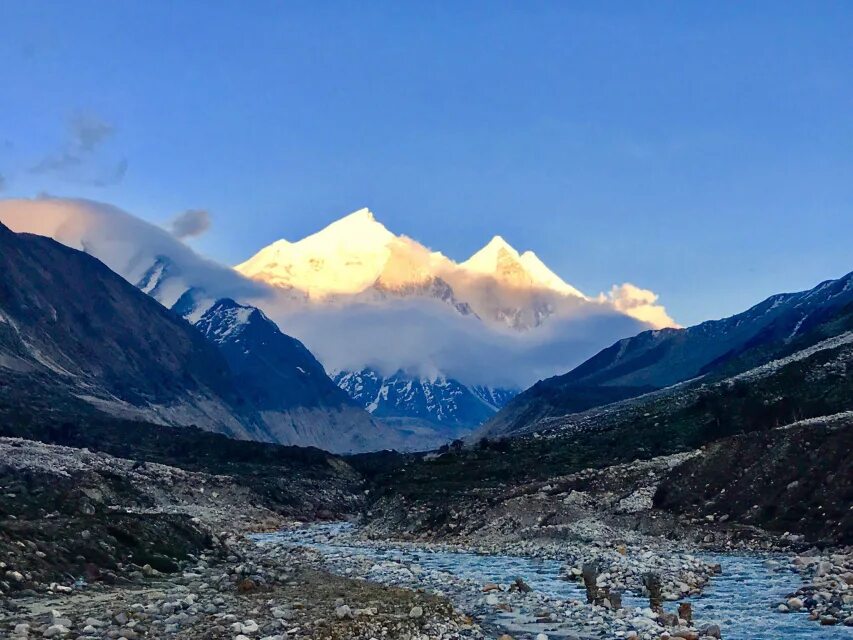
pixel 742 600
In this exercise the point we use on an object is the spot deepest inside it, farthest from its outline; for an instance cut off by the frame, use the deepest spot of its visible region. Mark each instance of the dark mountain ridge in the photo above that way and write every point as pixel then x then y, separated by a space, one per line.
pixel 74 327
pixel 70 328
pixel 657 359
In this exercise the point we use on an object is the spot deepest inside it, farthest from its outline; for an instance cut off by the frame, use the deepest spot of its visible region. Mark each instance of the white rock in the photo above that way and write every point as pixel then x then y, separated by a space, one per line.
pixel 342 612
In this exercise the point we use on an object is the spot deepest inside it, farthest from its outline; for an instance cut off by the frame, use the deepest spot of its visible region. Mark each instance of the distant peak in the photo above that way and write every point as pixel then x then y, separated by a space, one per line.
pixel 357 228
pixel 497 243
pixel 486 259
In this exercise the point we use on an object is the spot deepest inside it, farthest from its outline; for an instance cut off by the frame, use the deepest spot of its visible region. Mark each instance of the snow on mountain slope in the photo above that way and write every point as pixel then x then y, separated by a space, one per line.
pixel 356 259
pixel 346 257
pixel 659 359
pixel 526 271
pixel 357 295
pixel 439 400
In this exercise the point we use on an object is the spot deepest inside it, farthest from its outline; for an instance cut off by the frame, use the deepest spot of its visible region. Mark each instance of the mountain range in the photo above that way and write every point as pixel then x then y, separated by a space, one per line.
pixel 447 406
pixel 124 319
pixel 355 270
pixel 361 298
pixel 356 259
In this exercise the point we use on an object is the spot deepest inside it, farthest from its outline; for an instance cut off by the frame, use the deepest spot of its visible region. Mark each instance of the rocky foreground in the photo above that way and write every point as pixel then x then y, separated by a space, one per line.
pixel 95 546
pixel 98 546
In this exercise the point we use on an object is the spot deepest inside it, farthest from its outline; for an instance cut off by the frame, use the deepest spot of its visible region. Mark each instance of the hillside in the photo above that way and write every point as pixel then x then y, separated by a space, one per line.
pixel 734 414
pixel 657 359
pixel 73 330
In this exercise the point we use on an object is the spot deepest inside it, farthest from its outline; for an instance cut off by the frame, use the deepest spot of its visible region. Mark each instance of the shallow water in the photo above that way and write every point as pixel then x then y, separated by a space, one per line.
pixel 742 600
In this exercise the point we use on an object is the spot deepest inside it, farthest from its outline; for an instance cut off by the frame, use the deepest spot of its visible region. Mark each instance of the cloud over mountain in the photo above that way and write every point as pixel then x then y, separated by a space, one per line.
pixel 126 244
pixel 357 295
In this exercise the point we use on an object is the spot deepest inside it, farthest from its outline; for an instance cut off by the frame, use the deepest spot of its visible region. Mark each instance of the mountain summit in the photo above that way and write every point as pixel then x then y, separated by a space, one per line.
pixel 501 261
pixel 358 258
pixel 345 257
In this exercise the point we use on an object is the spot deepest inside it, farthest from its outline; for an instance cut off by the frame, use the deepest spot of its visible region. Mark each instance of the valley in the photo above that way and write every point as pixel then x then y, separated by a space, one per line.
pixel 426 320
pixel 172 464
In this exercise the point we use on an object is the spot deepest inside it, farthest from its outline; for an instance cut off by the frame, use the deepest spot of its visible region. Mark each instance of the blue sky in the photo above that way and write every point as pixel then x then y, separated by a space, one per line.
pixel 702 150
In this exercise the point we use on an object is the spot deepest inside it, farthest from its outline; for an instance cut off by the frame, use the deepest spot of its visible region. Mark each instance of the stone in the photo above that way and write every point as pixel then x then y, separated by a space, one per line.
pixel 590 580
pixel 342 612
pixel 520 586
pixel 828 621
pixel 652 583
pixel 246 586
pixel 56 631
pixel 60 619
pixel 492 599
pixel 711 630
pixel 416 612
pixel 783 608
pixel 795 604
pixel 490 586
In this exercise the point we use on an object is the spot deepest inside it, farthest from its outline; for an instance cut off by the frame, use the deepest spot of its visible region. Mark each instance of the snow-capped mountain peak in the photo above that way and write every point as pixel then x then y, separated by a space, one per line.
pixel 356 260
pixel 498 259
pixel 487 260
pixel 346 256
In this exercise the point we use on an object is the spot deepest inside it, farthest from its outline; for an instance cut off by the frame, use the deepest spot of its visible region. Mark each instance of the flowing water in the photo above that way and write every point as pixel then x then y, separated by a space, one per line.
pixel 741 600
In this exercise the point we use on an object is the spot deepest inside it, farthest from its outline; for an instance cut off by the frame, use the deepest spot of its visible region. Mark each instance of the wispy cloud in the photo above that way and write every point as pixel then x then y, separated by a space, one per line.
pixel 190 223
pixel 80 157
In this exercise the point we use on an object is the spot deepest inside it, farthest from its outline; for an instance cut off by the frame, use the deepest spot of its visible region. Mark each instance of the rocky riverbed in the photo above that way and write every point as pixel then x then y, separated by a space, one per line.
pixel 828 592
pixel 95 546
pixel 705 595
pixel 245 592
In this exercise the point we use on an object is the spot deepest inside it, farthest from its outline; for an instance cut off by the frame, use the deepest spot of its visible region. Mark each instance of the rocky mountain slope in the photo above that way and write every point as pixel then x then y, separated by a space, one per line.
pixel 445 402
pixel 777 479
pixel 273 378
pixel 298 403
pixel 357 295
pixel 657 359
pixel 734 422
pixel 73 329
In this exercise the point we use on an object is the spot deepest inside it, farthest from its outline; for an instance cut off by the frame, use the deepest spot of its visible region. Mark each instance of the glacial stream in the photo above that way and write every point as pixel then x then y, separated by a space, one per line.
pixel 741 600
